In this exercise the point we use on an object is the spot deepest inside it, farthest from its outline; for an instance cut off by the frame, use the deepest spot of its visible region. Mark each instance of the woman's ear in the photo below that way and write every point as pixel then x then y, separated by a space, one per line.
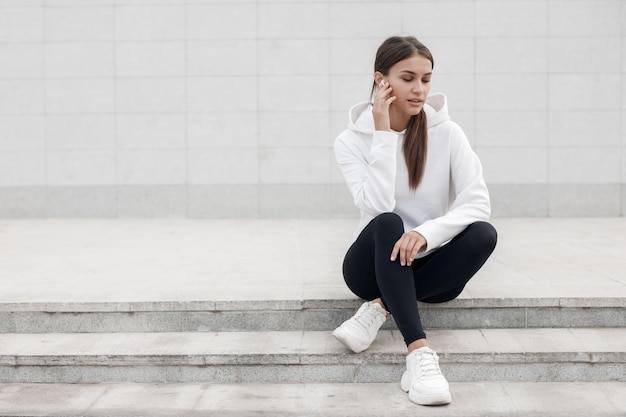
pixel 378 77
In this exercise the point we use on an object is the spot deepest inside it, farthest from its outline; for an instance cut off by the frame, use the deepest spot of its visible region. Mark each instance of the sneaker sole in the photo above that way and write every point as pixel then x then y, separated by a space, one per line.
pixel 346 339
pixel 430 399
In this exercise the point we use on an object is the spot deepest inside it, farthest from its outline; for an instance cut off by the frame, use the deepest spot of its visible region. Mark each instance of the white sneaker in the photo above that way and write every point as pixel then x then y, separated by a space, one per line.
pixel 358 332
pixel 423 379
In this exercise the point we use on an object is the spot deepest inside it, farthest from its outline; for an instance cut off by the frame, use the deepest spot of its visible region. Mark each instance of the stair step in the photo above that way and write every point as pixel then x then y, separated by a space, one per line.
pixel 309 356
pixel 556 399
pixel 273 315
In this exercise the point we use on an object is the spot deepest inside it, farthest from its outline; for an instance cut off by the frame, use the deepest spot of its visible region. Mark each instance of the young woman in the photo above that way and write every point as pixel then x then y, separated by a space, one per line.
pixel 424 206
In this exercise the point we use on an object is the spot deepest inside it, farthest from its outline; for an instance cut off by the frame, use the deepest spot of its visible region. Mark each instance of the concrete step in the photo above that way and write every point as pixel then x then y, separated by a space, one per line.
pixel 309 356
pixel 314 315
pixel 511 399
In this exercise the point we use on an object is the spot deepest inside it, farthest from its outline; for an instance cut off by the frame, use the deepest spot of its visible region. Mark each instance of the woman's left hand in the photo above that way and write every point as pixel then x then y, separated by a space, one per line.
pixel 408 246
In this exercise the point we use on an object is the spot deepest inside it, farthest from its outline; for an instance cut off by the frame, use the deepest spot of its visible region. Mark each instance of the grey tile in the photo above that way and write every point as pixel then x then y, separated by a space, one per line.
pixel 81 201
pixel 290 200
pixel 584 200
pixel 152 201
pixel 223 201
pixel 22 202
pixel 519 200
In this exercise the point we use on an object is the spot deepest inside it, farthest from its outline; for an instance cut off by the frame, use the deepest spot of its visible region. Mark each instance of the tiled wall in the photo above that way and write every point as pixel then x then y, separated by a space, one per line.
pixel 200 108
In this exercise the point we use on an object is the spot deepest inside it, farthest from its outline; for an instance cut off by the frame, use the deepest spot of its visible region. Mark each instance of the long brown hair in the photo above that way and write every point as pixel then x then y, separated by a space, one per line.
pixel 415 146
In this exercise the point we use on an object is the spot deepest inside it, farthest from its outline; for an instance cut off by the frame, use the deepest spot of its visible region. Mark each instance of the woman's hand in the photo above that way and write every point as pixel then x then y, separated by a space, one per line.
pixel 380 108
pixel 408 246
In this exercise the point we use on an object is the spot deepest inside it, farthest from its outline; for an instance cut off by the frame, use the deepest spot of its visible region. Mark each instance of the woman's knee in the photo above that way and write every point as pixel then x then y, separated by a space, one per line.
pixel 484 235
pixel 389 221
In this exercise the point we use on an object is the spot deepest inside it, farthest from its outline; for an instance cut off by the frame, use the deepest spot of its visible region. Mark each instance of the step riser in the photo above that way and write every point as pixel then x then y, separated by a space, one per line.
pixel 308 319
pixel 362 373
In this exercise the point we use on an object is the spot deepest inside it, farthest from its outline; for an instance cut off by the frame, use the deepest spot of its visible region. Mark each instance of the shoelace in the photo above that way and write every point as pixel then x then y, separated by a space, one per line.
pixel 364 318
pixel 428 364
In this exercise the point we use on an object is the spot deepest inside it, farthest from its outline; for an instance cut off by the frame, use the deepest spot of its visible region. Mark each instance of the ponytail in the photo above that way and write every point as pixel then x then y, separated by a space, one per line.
pixel 415 148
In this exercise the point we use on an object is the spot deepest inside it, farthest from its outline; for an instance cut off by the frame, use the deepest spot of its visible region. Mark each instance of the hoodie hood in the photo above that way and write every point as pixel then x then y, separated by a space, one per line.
pixel 361 118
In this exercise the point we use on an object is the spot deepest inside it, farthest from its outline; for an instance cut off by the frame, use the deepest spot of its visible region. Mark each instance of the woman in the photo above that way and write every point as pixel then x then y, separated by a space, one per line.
pixel 424 206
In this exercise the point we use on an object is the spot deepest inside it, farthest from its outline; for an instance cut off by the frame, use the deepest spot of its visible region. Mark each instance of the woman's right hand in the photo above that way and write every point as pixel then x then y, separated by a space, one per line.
pixel 380 108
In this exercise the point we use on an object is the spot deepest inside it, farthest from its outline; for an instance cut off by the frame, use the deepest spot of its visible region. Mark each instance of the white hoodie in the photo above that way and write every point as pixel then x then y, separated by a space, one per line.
pixel 452 193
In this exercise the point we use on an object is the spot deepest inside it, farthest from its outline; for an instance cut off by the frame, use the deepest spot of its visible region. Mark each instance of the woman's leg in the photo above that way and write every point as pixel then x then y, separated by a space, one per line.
pixel 442 275
pixel 370 274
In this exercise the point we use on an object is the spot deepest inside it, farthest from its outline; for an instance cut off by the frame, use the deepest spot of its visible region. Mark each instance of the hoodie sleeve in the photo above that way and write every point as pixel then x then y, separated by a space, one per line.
pixel 369 173
pixel 471 202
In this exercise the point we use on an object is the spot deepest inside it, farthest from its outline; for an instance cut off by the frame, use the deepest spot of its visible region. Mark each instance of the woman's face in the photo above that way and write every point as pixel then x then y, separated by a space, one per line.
pixel 410 81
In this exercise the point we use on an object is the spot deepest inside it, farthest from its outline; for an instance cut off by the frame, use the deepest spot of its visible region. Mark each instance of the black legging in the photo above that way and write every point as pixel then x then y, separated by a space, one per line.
pixel 438 277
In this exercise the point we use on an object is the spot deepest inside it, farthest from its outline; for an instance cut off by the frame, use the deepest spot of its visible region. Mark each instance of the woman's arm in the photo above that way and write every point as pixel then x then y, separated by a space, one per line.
pixel 369 173
pixel 471 203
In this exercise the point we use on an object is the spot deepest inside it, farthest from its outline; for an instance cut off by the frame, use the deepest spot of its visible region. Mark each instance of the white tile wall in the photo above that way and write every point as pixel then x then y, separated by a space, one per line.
pixel 293 166
pixel 347 90
pixel 585 128
pixel 623 170
pixel 222 57
pixel 294 57
pixel 496 18
pixel 223 166
pixel 233 106
pixel 151 131
pixel 352 56
pixel 512 128
pixel 80 167
pixel 585 91
pixel 80 131
pixel 513 92
pixel 21 24
pixel 373 20
pixel 79 60
pixel 512 55
pixel 509 165
pixel 438 18
pixel 585 55
pixel 222 130
pixel 152 166
pixel 160 95
pixel 21 96
pixel 80 95
pixel 585 165
pixel 294 129
pixel 222 21
pixel 585 18
pixel 22 132
pixel 21 3
pixel 79 24
pixel 293 20
pixel 289 93
pixel 150 22
pixel 220 94
pixel 21 60
pixel 22 168
pixel 150 59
